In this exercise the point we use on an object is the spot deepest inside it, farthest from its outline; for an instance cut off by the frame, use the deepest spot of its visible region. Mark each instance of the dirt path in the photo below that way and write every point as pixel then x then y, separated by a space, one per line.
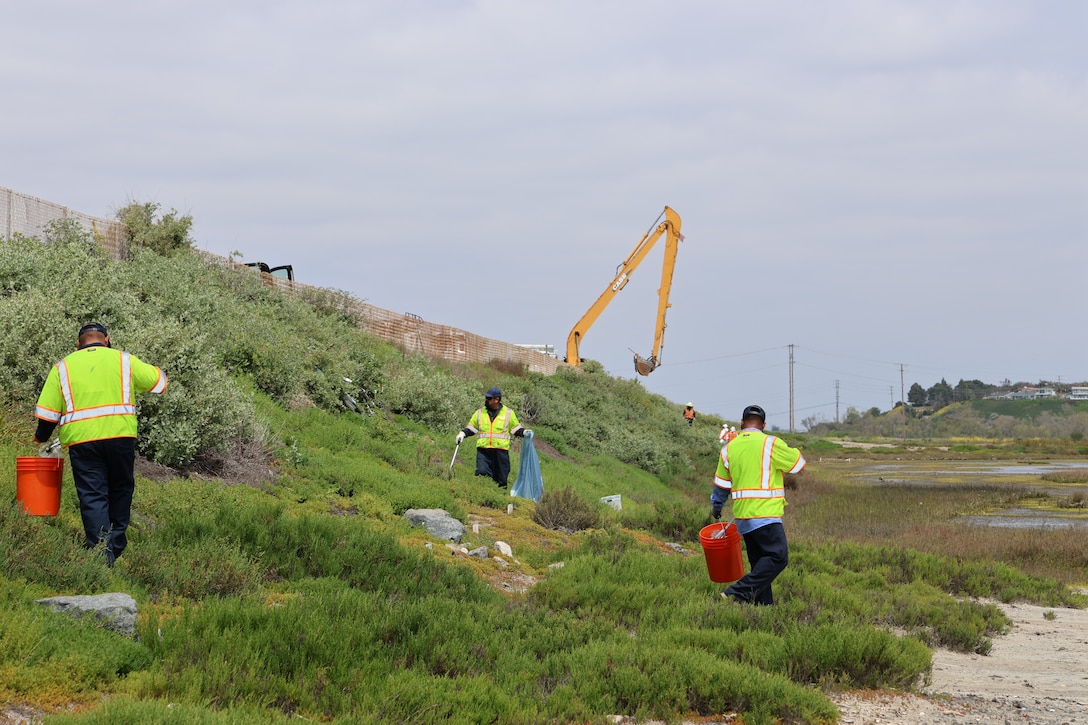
pixel 1036 674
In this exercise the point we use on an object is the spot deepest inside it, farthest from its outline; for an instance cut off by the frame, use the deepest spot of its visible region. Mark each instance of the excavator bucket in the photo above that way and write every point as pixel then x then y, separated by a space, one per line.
pixel 645 366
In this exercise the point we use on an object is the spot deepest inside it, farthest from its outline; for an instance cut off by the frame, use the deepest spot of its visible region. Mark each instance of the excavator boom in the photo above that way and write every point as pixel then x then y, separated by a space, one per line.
pixel 670 228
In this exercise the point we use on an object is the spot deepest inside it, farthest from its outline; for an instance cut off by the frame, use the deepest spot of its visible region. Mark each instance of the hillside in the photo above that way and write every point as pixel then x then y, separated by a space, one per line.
pixel 278 578
pixel 1060 425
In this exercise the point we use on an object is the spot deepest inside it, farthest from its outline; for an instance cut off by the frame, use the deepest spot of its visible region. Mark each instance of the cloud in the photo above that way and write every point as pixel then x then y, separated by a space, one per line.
pixel 885 180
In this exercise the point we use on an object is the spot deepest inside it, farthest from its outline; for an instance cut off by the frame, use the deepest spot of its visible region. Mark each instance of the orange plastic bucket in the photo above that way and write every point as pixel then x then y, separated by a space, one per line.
pixel 724 562
pixel 37 484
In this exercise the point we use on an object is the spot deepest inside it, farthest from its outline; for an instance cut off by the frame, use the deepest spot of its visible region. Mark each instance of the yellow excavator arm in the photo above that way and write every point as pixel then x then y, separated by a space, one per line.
pixel 671 229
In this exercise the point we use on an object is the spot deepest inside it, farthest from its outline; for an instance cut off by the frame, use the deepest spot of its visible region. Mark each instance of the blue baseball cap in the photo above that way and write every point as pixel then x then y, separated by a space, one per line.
pixel 93 327
pixel 493 393
pixel 753 411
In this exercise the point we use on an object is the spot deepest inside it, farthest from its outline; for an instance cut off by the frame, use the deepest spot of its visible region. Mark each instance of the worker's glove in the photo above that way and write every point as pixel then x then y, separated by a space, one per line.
pixel 460 437
pixel 49 449
pixel 716 512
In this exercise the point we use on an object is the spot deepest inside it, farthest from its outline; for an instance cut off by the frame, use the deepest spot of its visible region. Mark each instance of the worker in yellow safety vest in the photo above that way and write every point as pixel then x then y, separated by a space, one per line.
pixel 91 395
pixel 496 425
pixel 750 471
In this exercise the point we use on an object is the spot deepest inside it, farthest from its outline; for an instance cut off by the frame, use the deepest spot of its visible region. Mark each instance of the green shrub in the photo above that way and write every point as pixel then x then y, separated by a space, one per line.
pixel 164 236
pixel 124 709
pixel 40 550
pixel 428 395
pixel 211 566
pixel 566 511
pixel 671 521
pixel 201 408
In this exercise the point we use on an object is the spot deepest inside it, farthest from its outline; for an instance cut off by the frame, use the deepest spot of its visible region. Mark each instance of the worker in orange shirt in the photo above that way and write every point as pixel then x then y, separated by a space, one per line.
pixel 689 413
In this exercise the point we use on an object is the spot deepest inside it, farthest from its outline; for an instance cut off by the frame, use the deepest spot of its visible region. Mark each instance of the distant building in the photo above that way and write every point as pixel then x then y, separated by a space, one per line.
pixel 546 349
pixel 1029 393
pixel 1078 393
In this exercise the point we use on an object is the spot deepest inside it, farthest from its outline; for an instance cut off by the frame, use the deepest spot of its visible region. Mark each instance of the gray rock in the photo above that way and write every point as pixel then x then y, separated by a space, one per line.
pixel 480 552
pixel 438 523
pixel 116 611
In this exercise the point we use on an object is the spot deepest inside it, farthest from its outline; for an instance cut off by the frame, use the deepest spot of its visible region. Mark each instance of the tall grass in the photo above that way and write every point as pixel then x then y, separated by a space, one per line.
pixel 831 505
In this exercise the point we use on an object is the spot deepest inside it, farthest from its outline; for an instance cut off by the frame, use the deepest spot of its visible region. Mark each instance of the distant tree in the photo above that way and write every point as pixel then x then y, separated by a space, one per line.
pixel 940 394
pixel 874 412
pixel 916 396
pixel 972 390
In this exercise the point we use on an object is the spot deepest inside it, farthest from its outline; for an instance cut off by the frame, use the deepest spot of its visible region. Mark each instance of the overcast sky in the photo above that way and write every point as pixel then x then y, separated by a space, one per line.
pixel 899 190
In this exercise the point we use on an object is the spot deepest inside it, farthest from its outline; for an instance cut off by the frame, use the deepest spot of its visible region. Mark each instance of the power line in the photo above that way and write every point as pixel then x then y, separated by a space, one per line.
pixel 725 357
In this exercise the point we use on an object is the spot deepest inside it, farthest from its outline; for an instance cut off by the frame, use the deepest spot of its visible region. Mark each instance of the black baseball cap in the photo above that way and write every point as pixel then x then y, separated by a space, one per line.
pixel 93 327
pixel 753 411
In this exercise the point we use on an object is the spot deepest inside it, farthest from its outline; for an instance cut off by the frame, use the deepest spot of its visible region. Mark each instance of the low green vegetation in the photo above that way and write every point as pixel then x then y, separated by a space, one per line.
pixel 278 579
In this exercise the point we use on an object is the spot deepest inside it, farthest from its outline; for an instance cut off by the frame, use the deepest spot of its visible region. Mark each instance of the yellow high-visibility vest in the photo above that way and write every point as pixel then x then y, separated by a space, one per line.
pixel 493 433
pixel 752 465
pixel 91 394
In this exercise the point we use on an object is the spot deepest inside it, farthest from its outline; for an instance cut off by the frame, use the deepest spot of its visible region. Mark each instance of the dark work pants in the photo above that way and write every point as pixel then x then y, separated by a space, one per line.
pixel 494 463
pixel 768 555
pixel 103 474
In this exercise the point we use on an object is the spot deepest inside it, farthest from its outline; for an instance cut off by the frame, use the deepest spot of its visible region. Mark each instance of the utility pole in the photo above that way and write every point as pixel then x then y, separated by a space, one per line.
pixel 891 397
pixel 903 400
pixel 902 395
pixel 836 402
pixel 791 388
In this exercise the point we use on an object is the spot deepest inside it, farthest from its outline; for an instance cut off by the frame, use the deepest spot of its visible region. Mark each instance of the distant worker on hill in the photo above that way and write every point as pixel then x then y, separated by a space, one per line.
pixel 750 471
pixel 495 424
pixel 91 395
pixel 689 413
pixel 727 433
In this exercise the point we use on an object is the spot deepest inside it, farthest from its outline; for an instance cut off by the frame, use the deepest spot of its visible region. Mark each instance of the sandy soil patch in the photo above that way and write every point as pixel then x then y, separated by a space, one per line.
pixel 1037 673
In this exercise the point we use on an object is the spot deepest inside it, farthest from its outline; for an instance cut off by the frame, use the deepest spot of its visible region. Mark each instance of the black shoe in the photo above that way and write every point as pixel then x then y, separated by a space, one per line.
pixel 731 596
pixel 502 485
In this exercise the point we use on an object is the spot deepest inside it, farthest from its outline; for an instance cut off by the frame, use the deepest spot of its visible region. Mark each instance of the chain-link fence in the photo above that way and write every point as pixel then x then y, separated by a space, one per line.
pixel 412 333
pixel 28 215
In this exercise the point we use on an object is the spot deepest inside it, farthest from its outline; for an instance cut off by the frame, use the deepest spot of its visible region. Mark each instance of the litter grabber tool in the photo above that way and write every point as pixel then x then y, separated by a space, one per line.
pixel 454 460
pixel 720 533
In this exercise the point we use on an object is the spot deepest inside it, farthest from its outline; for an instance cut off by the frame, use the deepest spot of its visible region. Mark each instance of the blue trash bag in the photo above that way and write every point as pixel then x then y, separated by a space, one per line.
pixel 529 483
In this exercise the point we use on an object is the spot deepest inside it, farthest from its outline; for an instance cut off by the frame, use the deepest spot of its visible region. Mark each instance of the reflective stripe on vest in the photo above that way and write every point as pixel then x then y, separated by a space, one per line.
pixel 489 436
pixel 53 416
pixel 125 407
pixel 759 493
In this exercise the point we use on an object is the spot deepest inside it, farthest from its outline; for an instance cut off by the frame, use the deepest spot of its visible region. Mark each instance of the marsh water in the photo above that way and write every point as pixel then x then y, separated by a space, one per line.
pixel 1052 507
